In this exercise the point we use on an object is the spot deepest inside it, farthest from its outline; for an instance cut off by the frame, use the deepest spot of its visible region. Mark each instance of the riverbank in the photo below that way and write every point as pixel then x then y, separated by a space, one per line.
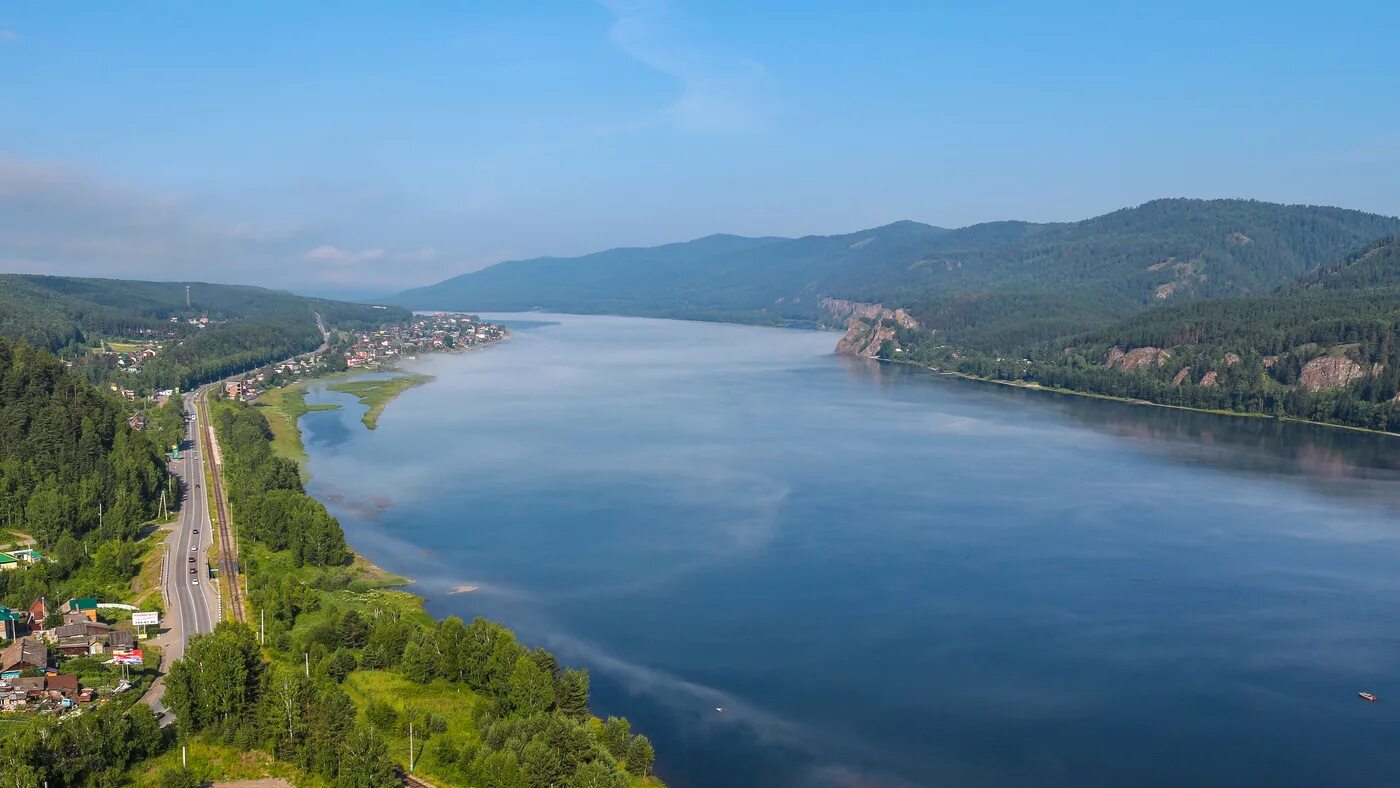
pixel 377 393
pixel 1033 386
pixel 389 680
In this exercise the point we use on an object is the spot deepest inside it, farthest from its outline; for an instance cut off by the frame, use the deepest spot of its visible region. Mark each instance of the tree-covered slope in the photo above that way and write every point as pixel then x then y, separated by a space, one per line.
pixel 1326 348
pixel 1100 268
pixel 720 277
pixel 246 326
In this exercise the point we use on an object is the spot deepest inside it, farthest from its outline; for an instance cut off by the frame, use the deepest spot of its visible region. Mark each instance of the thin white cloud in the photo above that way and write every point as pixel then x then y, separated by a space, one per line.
pixel 719 92
pixel 9 35
pixel 327 253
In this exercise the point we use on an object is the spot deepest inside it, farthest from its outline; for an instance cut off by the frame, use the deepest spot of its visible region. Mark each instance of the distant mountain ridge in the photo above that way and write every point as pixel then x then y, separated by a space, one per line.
pixel 1164 250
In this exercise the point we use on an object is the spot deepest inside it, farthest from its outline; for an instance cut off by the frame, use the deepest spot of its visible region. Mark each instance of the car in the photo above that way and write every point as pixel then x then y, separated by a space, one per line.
pixel 194 547
pixel 193 570
pixel 196 530
pixel 191 559
pixel 195 581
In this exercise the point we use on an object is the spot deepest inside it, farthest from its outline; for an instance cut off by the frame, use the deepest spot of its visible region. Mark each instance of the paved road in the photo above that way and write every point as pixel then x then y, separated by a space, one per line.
pixel 190 609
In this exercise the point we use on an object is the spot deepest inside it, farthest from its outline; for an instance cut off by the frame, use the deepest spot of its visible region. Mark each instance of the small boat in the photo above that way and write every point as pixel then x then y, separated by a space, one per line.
pixel 1366 696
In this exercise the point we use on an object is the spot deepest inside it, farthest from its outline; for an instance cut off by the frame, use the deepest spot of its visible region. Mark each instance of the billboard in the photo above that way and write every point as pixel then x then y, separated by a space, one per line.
pixel 134 658
pixel 145 619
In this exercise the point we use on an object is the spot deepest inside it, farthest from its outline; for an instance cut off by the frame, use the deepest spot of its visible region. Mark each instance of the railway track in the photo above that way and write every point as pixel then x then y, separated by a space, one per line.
pixel 228 557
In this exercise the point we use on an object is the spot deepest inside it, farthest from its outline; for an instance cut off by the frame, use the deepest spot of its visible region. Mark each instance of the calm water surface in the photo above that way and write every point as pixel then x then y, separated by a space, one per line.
pixel 886 577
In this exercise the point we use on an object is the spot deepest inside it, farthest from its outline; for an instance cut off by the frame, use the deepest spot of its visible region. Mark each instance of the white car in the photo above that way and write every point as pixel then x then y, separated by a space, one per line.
pixel 194 582
pixel 194 547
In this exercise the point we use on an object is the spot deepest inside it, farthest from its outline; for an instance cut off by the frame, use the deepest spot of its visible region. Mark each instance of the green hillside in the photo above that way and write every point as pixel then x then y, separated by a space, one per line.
pixel 983 278
pixel 1324 348
pixel 244 326
pixel 720 277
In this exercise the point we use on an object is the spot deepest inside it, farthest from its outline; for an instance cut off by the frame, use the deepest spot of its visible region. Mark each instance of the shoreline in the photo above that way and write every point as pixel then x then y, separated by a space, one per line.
pixel 1032 386
pixel 284 406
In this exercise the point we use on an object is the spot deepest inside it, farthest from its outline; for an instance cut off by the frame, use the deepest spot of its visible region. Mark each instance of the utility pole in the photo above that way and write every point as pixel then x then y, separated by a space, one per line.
pixel 187 296
pixel 410 746
pixel 262 626
pixel 307 656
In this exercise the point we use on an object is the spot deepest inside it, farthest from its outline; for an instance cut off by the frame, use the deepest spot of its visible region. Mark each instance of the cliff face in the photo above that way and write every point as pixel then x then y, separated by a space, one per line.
pixel 1329 372
pixel 1137 358
pixel 868 326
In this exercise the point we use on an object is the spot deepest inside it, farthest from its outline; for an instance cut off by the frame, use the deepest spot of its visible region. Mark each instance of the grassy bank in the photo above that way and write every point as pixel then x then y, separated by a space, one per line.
pixel 282 407
pixel 379 392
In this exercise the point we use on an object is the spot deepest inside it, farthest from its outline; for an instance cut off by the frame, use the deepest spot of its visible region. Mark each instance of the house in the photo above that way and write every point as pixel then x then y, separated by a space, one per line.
pixel 64 684
pixel 84 606
pixel 23 654
pixel 8 562
pixel 121 640
pixel 234 389
pixel 38 614
pixel 30 687
pixel 137 421
pixel 28 555
pixel 82 637
pixel 11 622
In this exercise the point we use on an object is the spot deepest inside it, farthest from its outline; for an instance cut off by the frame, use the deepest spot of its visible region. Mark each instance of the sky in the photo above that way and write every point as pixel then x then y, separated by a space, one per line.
pixel 356 149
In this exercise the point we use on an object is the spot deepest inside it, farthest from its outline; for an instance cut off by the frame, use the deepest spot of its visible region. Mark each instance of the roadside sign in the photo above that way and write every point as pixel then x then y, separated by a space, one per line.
pixel 133 658
pixel 145 619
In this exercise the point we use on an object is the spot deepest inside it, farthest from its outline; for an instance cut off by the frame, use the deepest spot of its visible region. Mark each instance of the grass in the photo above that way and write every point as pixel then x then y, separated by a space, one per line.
pixel 210 762
pixel 377 393
pixel 282 407
pixel 451 703
pixel 147 580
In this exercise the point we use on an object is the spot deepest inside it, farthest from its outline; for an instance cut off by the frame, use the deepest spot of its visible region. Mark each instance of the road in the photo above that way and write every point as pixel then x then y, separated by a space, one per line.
pixel 190 609
pixel 192 599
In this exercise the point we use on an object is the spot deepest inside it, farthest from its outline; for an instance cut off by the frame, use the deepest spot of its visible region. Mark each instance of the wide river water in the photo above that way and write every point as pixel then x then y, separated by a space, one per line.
pixel 888 577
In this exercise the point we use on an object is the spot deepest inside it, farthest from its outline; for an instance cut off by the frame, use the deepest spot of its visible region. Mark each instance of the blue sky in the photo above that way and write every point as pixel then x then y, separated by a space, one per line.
pixel 363 147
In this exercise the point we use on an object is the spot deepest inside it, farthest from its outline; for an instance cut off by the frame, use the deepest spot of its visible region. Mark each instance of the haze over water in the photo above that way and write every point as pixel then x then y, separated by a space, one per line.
pixel 886 577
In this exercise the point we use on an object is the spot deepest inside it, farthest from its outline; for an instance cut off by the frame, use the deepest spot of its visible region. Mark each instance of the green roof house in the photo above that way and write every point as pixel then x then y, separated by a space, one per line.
pixel 84 607
pixel 9 623
pixel 8 561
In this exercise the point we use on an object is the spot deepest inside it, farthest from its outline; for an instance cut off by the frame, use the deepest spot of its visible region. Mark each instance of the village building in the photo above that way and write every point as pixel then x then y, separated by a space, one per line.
pixel 84 607
pixel 11 622
pixel 8 562
pixel 26 653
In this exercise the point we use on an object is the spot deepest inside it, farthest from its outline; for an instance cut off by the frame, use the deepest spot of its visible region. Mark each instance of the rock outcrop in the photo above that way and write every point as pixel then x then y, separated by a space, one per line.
pixel 1231 359
pixel 1210 379
pixel 868 326
pixel 1329 372
pixel 1137 358
pixel 1182 376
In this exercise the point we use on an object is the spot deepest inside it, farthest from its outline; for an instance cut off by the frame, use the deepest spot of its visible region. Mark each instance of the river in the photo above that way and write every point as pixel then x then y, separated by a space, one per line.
pixel 888 577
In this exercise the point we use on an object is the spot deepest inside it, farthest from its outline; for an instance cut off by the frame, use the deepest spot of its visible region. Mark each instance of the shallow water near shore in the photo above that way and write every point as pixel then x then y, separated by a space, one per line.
pixel 885 576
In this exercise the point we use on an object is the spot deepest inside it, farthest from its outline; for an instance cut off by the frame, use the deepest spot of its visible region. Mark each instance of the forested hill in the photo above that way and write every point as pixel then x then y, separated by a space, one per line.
pixel 1100 268
pixel 1325 348
pixel 224 329
pixel 719 277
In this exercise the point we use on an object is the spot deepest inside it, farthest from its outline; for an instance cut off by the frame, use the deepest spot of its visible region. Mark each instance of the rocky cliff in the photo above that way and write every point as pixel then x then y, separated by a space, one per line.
pixel 868 326
pixel 1329 372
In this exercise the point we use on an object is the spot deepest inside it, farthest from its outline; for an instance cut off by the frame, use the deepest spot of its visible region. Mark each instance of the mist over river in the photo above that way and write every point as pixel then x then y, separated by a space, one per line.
pixel 888 577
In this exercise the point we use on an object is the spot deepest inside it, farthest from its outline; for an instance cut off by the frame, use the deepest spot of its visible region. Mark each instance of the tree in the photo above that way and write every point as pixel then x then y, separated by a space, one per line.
pixel 365 763
pixel 530 690
pixel 571 693
pixel 640 756
pixel 615 735
pixel 418 662
pixel 214 687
